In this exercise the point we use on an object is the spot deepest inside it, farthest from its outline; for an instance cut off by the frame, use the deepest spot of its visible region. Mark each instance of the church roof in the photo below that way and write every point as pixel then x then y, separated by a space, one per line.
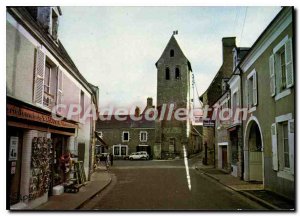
pixel 175 43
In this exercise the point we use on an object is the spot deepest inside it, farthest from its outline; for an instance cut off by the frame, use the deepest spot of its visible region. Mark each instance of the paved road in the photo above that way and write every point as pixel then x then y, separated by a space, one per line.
pixel 163 185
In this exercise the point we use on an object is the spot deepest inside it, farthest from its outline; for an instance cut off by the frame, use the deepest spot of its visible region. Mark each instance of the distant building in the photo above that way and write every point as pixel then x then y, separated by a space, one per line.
pixel 39 75
pixel 122 137
pixel 215 90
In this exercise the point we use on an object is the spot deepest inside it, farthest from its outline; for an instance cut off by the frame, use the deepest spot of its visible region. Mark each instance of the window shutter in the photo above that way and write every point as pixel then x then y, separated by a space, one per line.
pixel 254 89
pixel 277 73
pixel 274 147
pixel 291 130
pixel 59 86
pixel 39 76
pixel 246 94
pixel 289 63
pixel 272 75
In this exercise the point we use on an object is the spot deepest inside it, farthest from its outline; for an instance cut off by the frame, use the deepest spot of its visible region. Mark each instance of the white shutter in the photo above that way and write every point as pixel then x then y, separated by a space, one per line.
pixel 254 89
pixel 274 146
pixel 246 94
pixel 289 63
pixel 39 76
pixel 291 129
pixel 272 75
pixel 59 86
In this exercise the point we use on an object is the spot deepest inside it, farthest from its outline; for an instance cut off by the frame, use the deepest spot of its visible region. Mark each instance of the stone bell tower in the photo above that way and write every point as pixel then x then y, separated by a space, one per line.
pixel 173 92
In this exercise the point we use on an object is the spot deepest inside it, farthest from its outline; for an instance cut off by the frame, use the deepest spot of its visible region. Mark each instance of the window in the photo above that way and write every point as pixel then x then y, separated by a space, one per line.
pixel 143 136
pixel 285 145
pixel 251 89
pixel 171 53
pixel 49 85
pixel 116 150
pixel 177 73
pixel 281 68
pixel 47 81
pixel 125 136
pixel 167 74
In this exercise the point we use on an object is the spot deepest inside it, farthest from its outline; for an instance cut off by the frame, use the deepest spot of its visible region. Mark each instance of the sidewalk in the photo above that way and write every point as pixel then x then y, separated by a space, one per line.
pixel 71 201
pixel 252 191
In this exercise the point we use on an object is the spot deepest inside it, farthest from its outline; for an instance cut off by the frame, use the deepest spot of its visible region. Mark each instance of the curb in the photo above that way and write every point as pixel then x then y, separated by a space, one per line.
pixel 95 194
pixel 245 194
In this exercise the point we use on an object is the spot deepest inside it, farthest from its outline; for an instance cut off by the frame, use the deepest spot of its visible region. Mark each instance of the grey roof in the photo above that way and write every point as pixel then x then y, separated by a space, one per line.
pixel 113 123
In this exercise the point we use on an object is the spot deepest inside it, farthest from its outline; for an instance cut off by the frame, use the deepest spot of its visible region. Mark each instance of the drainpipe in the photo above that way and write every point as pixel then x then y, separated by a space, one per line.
pixel 242 134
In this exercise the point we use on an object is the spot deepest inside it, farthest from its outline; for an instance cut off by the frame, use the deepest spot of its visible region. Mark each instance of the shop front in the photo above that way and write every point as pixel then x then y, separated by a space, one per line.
pixel 35 145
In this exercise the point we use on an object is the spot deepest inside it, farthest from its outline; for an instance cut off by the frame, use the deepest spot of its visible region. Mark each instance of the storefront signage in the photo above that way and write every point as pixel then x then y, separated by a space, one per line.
pixel 13 148
pixel 208 123
pixel 24 113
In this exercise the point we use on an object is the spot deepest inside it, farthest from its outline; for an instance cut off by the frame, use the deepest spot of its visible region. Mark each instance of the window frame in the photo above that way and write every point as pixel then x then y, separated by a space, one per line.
pixel 141 136
pixel 123 140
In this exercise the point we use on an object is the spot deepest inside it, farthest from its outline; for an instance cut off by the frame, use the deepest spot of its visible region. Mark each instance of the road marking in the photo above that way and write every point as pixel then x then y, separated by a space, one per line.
pixel 188 178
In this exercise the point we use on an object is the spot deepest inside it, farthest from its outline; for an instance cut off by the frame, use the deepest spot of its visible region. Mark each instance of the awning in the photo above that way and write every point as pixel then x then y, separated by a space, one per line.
pixel 100 139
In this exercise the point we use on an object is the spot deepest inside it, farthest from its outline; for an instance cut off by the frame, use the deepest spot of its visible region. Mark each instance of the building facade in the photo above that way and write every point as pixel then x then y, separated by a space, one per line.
pixel 268 75
pixel 123 136
pixel 215 90
pixel 40 75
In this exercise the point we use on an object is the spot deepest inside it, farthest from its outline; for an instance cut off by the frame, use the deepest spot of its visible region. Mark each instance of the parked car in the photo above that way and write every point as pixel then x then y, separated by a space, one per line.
pixel 142 155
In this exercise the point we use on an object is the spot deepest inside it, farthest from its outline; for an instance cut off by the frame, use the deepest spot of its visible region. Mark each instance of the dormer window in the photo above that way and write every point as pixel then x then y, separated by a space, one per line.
pixel 171 53
pixel 48 17
pixel 54 26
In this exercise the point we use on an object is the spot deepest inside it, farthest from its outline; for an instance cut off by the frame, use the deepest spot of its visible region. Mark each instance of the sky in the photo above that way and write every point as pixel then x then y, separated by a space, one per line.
pixel 116 48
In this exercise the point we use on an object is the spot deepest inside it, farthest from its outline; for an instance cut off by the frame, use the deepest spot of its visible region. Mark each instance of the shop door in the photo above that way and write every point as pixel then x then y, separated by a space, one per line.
pixel 14 147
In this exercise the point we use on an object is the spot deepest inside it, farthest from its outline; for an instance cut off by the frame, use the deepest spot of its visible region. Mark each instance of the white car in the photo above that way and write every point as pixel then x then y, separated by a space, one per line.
pixel 139 155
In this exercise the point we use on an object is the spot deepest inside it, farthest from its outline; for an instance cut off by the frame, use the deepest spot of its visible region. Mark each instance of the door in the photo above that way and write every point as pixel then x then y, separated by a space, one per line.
pixel 14 148
pixel 224 157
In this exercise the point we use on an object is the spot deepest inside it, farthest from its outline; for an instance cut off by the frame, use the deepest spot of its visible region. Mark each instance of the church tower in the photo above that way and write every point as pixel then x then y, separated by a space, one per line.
pixel 173 90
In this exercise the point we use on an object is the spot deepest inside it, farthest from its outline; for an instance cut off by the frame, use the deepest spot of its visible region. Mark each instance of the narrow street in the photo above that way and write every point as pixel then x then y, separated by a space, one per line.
pixel 162 185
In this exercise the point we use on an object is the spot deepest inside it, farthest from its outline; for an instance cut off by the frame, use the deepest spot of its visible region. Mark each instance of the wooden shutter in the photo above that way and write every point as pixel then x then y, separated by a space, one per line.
pixel 59 86
pixel 254 89
pixel 291 130
pixel 289 63
pixel 272 75
pixel 246 94
pixel 39 76
pixel 274 147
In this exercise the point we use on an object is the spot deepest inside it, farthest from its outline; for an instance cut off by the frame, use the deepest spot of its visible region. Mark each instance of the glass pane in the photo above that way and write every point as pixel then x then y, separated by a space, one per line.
pixel 123 150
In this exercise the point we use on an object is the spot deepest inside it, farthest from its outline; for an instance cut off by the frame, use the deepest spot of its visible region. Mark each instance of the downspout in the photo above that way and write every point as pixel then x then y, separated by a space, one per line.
pixel 242 126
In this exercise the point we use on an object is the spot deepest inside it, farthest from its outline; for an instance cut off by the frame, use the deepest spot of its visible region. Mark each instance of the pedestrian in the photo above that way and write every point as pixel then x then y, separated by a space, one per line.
pixel 107 161
pixel 111 159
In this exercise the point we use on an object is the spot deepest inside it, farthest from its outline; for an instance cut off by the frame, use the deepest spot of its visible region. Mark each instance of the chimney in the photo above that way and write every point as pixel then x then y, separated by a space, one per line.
pixel 149 102
pixel 228 43
pixel 137 112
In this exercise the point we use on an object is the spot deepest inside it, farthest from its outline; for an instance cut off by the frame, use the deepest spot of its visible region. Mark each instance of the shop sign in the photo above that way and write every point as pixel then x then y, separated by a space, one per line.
pixel 24 113
pixel 208 123
pixel 13 148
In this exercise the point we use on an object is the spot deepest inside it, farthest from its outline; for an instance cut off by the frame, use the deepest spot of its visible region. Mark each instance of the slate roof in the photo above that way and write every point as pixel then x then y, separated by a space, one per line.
pixel 113 123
